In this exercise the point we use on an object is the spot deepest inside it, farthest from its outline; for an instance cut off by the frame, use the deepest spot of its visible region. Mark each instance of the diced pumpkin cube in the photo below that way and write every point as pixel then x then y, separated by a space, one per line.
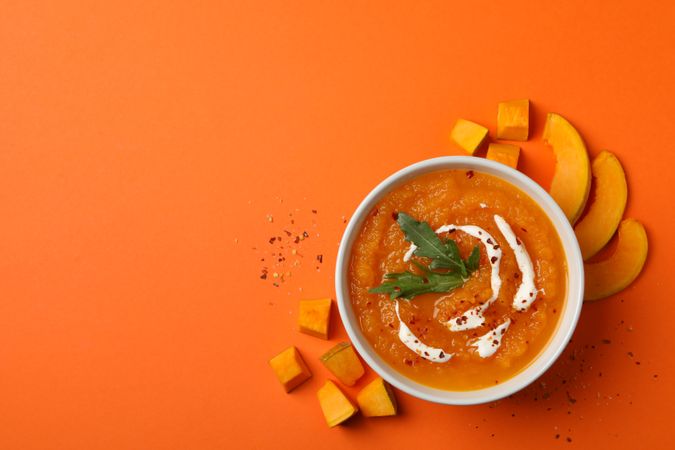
pixel 504 153
pixel 343 362
pixel 377 399
pixel 513 120
pixel 335 405
pixel 314 317
pixel 468 135
pixel 290 368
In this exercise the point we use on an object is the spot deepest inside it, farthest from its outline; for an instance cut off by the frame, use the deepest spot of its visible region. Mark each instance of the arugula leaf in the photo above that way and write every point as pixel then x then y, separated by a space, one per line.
pixel 429 245
pixel 452 252
pixel 443 255
pixel 409 285
pixel 473 260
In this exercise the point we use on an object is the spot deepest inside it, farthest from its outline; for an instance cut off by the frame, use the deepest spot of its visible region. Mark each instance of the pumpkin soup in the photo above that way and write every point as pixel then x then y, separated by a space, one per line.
pixel 458 279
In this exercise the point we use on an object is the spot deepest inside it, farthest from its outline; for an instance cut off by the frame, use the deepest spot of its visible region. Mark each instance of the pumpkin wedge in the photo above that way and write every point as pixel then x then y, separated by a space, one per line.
pixel 572 177
pixel 335 405
pixel 615 273
pixel 377 399
pixel 599 224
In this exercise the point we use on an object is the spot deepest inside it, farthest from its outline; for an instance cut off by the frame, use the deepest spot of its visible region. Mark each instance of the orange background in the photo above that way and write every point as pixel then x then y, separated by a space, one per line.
pixel 143 145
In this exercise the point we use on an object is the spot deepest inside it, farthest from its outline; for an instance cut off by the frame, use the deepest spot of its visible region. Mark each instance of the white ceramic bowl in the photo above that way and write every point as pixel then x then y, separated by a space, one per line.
pixel 567 321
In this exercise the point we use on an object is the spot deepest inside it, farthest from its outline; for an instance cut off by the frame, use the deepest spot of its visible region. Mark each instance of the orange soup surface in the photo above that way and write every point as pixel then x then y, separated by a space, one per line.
pixel 459 197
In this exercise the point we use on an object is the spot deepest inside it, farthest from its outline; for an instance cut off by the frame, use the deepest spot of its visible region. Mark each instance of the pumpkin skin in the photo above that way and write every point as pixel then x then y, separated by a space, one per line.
pixel 615 273
pixel 597 227
pixel 572 178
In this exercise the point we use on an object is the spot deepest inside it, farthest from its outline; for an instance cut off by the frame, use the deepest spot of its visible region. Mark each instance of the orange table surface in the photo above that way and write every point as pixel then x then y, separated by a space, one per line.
pixel 149 151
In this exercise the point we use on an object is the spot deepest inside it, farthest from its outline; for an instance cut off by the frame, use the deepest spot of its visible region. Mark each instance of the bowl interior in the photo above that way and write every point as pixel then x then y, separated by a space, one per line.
pixel 567 321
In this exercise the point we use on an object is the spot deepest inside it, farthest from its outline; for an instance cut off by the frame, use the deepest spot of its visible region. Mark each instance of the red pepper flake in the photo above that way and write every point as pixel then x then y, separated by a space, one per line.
pixel 441 355
pixel 314 211
pixel 606 341
pixel 296 240
pixel 305 234
pixel 570 398
pixel 493 259
pixel 272 239
pixel 276 284
pixel 408 362
pixel 630 354
pixel 469 174
pixel 557 436
pixel 394 215
pixel 569 439
pixel 263 276
pixel 319 258
pixel 518 241
pixel 516 275
pixel 637 363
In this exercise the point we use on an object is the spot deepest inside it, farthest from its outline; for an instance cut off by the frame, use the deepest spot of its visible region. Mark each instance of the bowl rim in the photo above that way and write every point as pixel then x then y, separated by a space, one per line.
pixel 566 323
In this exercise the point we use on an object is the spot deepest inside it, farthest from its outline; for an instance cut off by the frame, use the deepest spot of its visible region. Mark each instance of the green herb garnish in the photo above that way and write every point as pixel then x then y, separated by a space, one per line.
pixel 443 254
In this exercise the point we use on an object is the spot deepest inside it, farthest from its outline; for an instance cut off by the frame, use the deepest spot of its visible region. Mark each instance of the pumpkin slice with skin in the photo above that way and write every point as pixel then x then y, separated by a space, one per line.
pixel 597 227
pixel 572 177
pixel 615 273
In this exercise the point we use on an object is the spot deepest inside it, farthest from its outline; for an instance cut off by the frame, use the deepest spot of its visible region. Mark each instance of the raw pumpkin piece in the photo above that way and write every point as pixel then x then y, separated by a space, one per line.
pixel 314 317
pixel 290 368
pixel 377 399
pixel 343 362
pixel 468 135
pixel 504 153
pixel 599 224
pixel 513 120
pixel 572 177
pixel 615 273
pixel 335 405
